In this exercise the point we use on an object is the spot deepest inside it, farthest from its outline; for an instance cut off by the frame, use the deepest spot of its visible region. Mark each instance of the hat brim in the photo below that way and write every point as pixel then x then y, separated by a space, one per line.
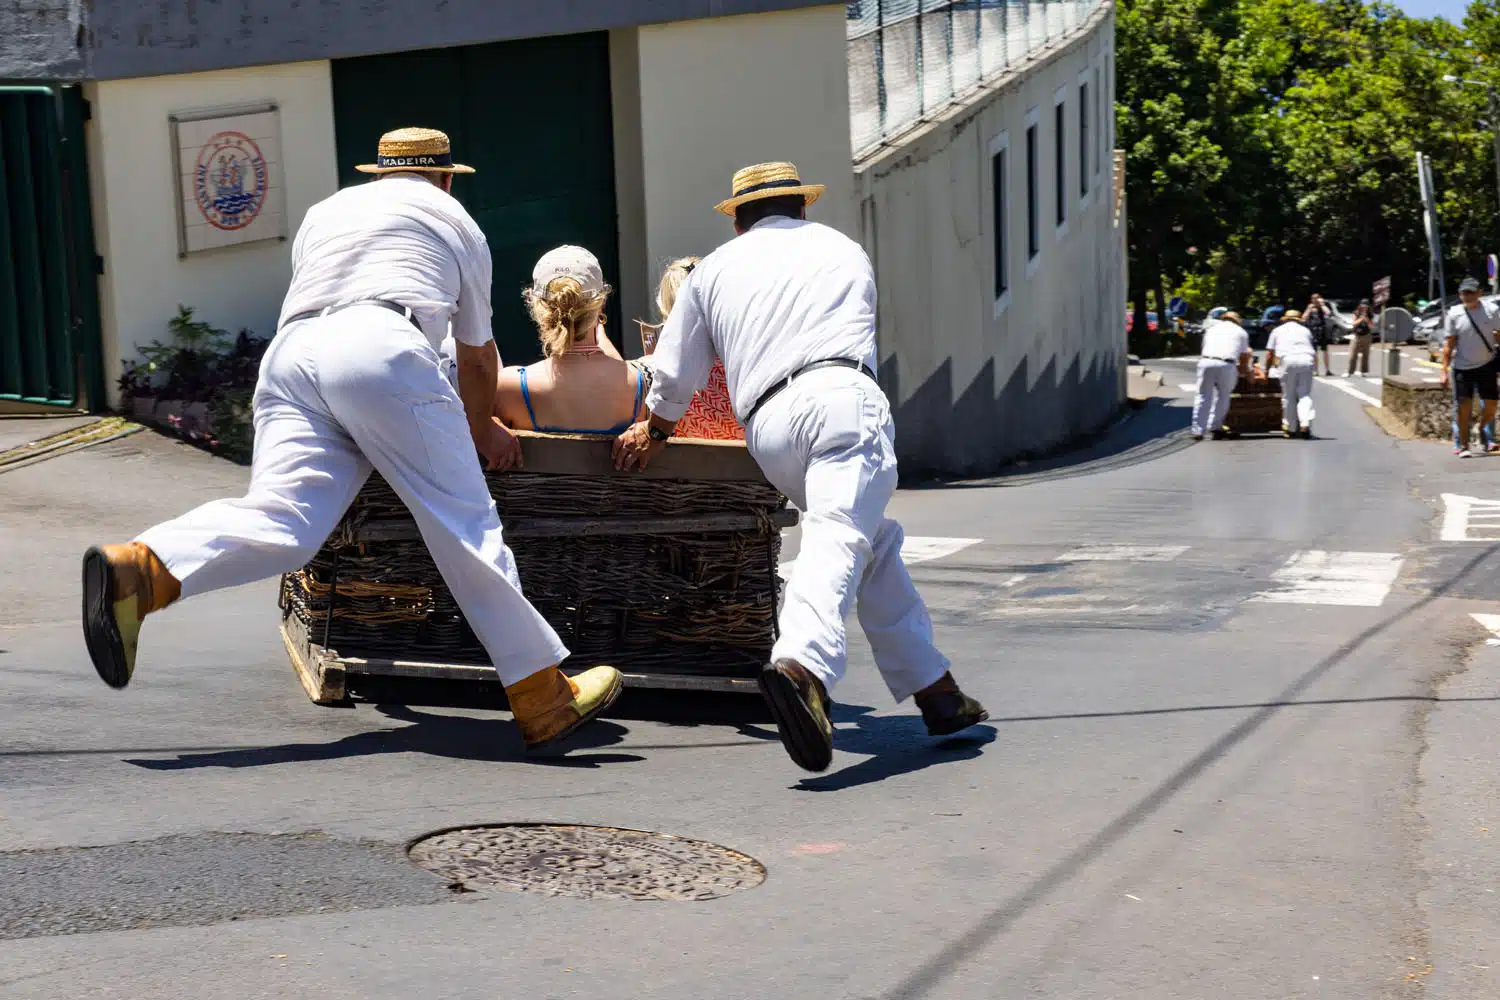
pixel 812 192
pixel 372 168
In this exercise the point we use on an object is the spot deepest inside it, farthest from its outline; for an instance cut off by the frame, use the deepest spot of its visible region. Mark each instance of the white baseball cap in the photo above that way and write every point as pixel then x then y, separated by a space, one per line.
pixel 568 262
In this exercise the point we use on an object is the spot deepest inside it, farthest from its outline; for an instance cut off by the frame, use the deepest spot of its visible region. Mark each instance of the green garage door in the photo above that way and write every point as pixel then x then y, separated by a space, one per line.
pixel 49 304
pixel 533 118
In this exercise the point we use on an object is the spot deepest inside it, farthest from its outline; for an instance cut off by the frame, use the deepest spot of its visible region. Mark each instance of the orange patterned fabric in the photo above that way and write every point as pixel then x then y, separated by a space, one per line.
pixel 710 415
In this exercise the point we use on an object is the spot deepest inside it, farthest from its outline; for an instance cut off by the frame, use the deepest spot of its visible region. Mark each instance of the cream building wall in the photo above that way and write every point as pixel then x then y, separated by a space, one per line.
pixel 977 380
pixel 695 101
pixel 134 197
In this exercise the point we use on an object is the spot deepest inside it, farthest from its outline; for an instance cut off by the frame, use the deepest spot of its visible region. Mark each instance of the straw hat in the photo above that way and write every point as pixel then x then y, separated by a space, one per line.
pixel 768 180
pixel 408 149
pixel 1291 316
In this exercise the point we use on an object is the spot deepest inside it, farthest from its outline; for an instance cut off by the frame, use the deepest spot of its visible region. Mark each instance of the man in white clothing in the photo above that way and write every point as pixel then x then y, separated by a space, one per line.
pixel 1292 347
pixel 789 306
pixel 1225 356
pixel 350 382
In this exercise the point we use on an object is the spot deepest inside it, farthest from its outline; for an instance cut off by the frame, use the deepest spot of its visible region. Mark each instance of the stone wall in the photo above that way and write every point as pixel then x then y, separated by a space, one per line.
pixel 1425 409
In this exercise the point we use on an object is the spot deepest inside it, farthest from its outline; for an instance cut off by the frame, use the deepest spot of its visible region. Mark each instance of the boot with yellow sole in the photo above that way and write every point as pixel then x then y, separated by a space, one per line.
pixel 122 584
pixel 549 705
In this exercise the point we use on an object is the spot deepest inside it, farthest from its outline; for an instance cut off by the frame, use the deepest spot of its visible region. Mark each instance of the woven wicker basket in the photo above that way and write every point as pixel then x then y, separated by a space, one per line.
pixel 663 575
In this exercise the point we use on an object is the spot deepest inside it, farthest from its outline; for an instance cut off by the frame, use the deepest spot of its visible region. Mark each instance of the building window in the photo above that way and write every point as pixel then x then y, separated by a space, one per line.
pixel 1033 226
pixel 1060 167
pixel 1098 123
pixel 999 154
pixel 1083 140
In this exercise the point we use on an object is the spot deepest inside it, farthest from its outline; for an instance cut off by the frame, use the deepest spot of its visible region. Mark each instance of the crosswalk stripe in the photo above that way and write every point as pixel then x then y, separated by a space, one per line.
pixel 1343 386
pixel 914 549
pixel 1469 519
pixel 1350 579
pixel 1123 553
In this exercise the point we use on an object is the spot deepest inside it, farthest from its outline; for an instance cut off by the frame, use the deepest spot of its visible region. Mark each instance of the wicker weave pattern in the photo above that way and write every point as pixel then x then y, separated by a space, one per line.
pixel 694 602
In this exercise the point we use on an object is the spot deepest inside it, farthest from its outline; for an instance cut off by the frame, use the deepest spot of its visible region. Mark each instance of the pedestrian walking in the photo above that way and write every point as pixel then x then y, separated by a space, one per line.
pixel 1470 360
pixel 1362 333
pixel 789 305
pixel 1225 358
pixel 352 381
pixel 1292 350
pixel 1316 317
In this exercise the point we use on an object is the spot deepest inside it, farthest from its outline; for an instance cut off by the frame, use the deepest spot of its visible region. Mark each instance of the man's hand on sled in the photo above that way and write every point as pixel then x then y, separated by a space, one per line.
pixel 499 448
pixel 634 448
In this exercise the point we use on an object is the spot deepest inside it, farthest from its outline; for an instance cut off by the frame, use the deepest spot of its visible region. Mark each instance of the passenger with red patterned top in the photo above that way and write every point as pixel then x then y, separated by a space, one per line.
pixel 710 415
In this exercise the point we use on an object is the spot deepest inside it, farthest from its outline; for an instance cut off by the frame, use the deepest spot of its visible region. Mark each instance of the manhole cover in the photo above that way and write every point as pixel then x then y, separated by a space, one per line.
pixel 587 862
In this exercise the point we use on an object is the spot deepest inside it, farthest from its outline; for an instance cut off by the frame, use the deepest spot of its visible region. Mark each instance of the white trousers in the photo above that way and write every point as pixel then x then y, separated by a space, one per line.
pixel 1296 383
pixel 1216 381
pixel 336 396
pixel 828 443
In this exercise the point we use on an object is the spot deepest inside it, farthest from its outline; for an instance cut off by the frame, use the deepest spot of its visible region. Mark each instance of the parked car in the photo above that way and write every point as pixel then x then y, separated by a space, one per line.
pixel 1260 328
pixel 1429 327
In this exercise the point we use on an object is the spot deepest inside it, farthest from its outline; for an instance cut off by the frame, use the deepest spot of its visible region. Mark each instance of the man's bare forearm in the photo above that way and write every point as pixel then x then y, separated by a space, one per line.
pixel 478 372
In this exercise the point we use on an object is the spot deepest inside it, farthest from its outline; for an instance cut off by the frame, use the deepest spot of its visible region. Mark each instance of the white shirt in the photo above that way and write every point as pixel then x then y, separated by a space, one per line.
pixel 1471 351
pixel 1292 344
pixel 400 239
pixel 1225 341
pixel 783 295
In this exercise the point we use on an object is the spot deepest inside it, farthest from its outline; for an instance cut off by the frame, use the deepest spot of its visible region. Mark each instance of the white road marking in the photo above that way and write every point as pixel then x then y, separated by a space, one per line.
pixel 1492 623
pixel 1188 387
pixel 915 549
pixel 1123 553
pixel 1469 519
pixel 919 549
pixel 1018 578
pixel 1373 380
pixel 1350 579
pixel 1343 386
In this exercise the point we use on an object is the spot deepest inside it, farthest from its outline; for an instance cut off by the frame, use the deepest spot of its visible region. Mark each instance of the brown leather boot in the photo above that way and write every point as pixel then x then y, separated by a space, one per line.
pixel 122 584
pixel 946 709
pixel 549 704
pixel 799 703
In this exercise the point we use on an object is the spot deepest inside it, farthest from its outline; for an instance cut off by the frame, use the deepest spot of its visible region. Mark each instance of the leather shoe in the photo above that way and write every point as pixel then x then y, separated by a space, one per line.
pixel 946 709
pixel 799 703
pixel 549 705
pixel 122 584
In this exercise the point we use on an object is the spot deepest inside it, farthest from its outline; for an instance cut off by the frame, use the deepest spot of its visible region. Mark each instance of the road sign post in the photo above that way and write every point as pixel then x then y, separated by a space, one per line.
pixel 1492 268
pixel 1380 295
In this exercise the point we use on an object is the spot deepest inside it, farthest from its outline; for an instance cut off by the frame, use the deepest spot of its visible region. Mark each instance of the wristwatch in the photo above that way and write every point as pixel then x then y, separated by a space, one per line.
pixel 655 433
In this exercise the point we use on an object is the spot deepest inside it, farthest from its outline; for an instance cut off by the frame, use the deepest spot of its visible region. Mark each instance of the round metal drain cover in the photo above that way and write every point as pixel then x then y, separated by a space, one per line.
pixel 587 862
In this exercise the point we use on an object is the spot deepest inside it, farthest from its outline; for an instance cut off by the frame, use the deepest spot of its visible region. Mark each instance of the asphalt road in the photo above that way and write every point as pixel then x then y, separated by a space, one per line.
pixel 1242 746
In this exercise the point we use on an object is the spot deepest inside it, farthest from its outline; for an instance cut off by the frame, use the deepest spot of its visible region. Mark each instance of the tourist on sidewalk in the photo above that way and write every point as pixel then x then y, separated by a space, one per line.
pixel 1359 339
pixel 1316 317
pixel 1470 360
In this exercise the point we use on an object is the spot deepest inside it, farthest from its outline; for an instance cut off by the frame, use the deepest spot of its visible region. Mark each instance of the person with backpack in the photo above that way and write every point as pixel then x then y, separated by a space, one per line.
pixel 1469 355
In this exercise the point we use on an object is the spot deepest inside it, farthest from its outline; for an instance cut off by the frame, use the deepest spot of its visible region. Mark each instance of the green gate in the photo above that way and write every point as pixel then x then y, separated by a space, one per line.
pixel 49 302
pixel 534 119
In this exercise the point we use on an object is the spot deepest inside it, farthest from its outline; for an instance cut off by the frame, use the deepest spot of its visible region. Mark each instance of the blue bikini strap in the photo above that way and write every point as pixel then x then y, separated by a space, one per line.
pixel 526 398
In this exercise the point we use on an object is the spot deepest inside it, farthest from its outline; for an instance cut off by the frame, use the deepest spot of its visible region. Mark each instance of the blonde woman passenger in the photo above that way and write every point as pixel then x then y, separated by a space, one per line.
pixel 711 414
pixel 581 386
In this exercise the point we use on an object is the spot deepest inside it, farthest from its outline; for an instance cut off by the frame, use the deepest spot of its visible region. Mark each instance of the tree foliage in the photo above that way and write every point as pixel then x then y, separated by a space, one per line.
pixel 1271 145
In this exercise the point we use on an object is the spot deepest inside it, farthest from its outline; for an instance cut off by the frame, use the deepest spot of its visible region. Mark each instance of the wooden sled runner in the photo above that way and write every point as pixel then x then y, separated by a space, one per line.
pixel 670 575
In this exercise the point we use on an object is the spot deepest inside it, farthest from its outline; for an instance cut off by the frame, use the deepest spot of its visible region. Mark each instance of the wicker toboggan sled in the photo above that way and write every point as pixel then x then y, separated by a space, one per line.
pixel 670 575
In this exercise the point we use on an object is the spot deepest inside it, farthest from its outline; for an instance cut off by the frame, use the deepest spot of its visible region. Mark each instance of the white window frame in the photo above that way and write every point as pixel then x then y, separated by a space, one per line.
pixel 1001 144
pixel 1103 148
pixel 1085 79
pixel 1063 197
pixel 1034 193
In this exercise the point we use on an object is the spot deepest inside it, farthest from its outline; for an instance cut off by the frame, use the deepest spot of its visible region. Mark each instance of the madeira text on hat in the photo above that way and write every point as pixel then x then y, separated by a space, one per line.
pixel 767 180
pixel 411 149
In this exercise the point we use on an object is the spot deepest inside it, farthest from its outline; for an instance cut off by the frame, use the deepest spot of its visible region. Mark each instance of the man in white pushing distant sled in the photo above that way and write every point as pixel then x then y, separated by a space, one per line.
pixel 350 382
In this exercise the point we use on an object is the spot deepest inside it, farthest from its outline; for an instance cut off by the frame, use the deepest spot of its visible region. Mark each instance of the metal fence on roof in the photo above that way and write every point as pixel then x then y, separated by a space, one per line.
pixel 910 58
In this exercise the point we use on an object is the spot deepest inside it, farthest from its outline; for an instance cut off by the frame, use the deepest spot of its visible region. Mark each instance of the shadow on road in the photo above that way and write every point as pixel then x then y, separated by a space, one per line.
pixel 454 736
pixel 1151 432
pixel 897 744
